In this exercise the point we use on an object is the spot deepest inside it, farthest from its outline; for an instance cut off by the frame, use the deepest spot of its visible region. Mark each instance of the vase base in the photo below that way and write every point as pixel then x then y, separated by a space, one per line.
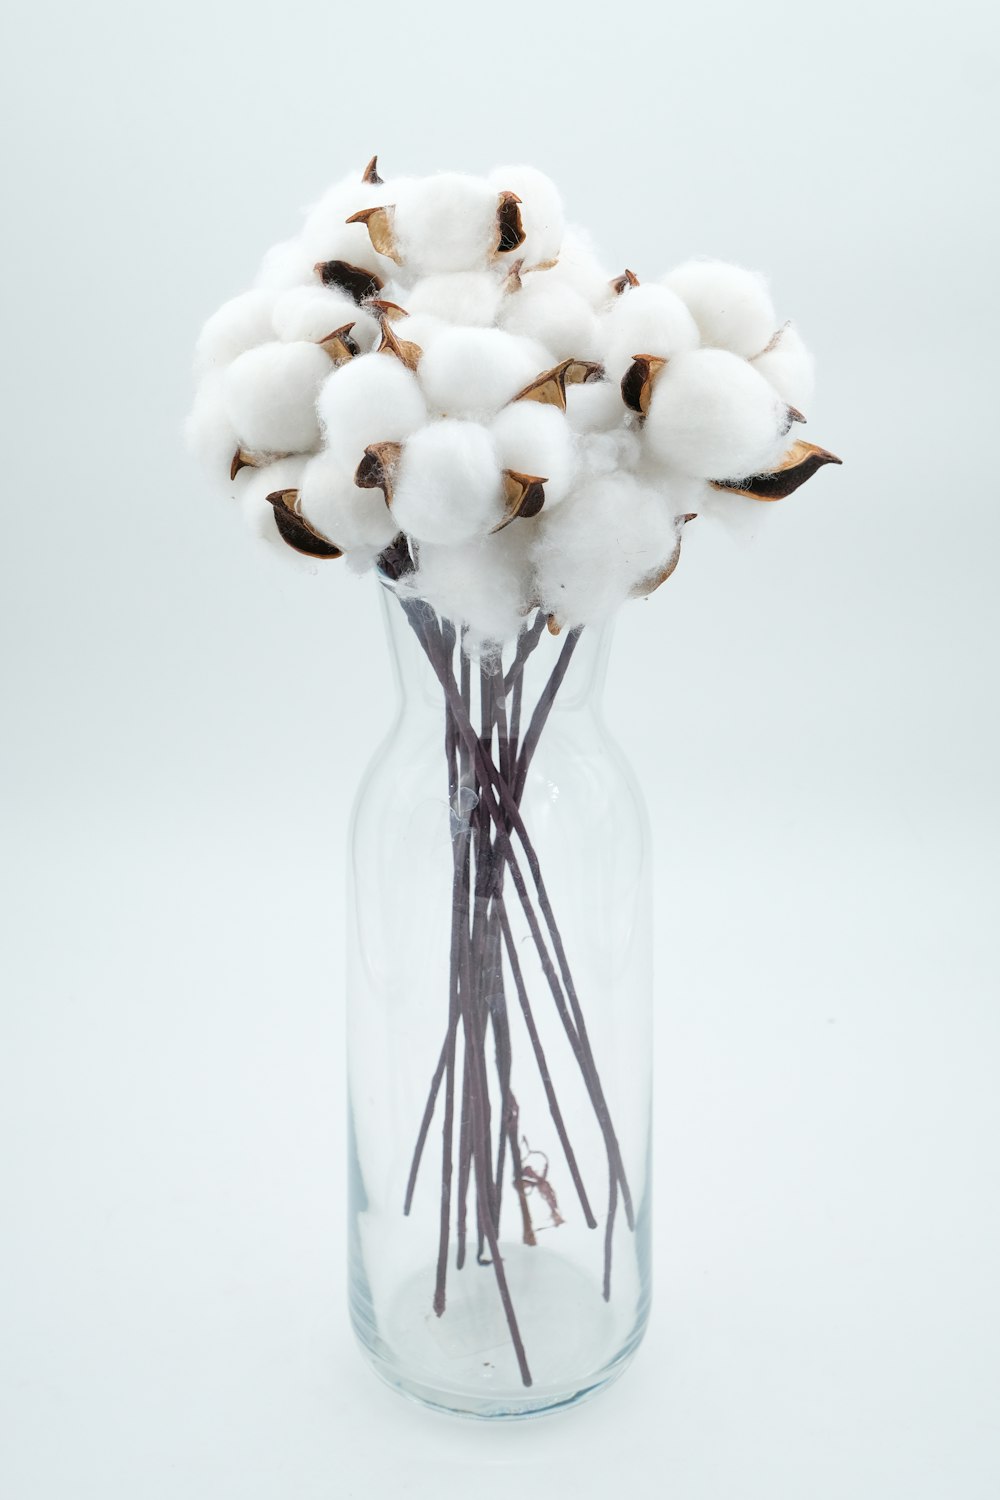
pixel 463 1362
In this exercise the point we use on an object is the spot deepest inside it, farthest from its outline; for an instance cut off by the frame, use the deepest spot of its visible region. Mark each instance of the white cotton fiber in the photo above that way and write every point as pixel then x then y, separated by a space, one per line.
pixel 271 396
pixel 789 367
pixel 595 405
pixel 372 399
pixel 579 267
pixel 448 486
pixel 356 520
pixel 713 416
pixel 252 487
pixel 554 314
pixel 536 440
pixel 484 583
pixel 591 552
pixel 468 298
pixel 731 306
pixel 609 452
pixel 285 265
pixel 210 434
pixel 445 223
pixel 239 324
pixel 541 211
pixel 647 319
pixel 311 312
pixel 326 235
pixel 475 371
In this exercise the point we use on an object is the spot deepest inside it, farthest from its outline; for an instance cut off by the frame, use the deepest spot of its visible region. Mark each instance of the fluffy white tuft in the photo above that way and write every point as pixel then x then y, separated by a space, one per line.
pixel 541 211
pixel 485 582
pixel 445 223
pixel 240 324
pixel 613 533
pixel 578 267
pixel 789 367
pixel 210 434
pixel 311 312
pixel 475 371
pixel 448 487
pixel 358 521
pixel 647 319
pixel 713 416
pixel 534 439
pixel 731 306
pixel 595 406
pixel 469 298
pixel 271 396
pixel 554 314
pixel 372 399
pixel 251 488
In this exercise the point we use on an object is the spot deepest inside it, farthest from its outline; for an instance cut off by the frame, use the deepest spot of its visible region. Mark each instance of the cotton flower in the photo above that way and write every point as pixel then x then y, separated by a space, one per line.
pixel 251 488
pixel 372 399
pixel 732 307
pixel 357 520
pixel 787 364
pixel 312 312
pixel 536 440
pixel 448 486
pixel 713 416
pixel 541 211
pixel 240 324
pixel 552 313
pixel 646 319
pixel 485 582
pixel 475 371
pixel 445 223
pixel 270 395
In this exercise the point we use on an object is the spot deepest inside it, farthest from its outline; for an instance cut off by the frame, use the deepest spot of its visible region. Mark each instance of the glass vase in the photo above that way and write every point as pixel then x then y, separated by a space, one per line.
pixel 499 1020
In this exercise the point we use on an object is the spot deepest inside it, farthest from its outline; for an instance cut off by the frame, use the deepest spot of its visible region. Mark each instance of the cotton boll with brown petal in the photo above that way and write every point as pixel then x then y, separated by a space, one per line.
pixel 646 319
pixel 356 520
pixel 713 416
pixel 554 314
pixel 251 488
pixel 240 324
pixel 789 367
pixel 731 306
pixel 312 312
pixel 271 393
pixel 448 487
pixel 209 433
pixel 475 371
pixel 541 209
pixel 468 298
pixel 484 583
pixel 371 399
pixel 592 552
pixel 444 223
pixel 536 440
pixel 326 234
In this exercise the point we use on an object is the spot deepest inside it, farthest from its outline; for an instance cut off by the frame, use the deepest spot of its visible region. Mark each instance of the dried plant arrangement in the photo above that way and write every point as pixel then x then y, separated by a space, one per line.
pixel 436 380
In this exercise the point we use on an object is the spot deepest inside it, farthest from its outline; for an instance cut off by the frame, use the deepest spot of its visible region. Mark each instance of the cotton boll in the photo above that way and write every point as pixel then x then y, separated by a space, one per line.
pixel 285 265
pixel 271 396
pixel 311 312
pixel 554 314
pixel 239 324
pixel 590 553
pixel 713 416
pixel 252 487
pixel 731 306
pixel 478 370
pixel 372 399
pixel 326 234
pixel 594 406
pixel 534 439
pixel 484 584
pixel 422 329
pixel 645 319
pixel 448 486
pixel 541 210
pixel 445 223
pixel 210 434
pixel 356 520
pixel 468 298
pixel 789 367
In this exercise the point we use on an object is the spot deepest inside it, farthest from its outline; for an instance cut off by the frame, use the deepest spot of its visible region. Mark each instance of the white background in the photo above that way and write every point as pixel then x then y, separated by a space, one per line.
pixel 813 716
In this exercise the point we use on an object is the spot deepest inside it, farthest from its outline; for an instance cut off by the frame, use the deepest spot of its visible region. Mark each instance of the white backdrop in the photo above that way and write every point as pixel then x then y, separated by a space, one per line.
pixel 814 718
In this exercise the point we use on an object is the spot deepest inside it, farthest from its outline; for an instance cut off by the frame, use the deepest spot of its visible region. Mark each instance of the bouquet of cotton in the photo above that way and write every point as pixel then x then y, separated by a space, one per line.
pixel 434 379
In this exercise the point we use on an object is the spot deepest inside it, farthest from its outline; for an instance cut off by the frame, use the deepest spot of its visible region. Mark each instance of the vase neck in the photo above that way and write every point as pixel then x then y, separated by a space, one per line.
pixel 582 656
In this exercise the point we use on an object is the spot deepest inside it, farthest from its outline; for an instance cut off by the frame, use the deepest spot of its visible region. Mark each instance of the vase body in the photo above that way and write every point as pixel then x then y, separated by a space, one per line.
pixel 499 1029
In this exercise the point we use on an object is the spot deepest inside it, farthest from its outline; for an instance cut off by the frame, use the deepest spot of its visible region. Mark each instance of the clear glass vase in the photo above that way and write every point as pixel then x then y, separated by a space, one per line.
pixel 499 1019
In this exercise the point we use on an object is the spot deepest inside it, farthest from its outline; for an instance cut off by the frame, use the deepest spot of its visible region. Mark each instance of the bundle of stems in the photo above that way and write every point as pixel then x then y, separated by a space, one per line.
pixel 487 770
